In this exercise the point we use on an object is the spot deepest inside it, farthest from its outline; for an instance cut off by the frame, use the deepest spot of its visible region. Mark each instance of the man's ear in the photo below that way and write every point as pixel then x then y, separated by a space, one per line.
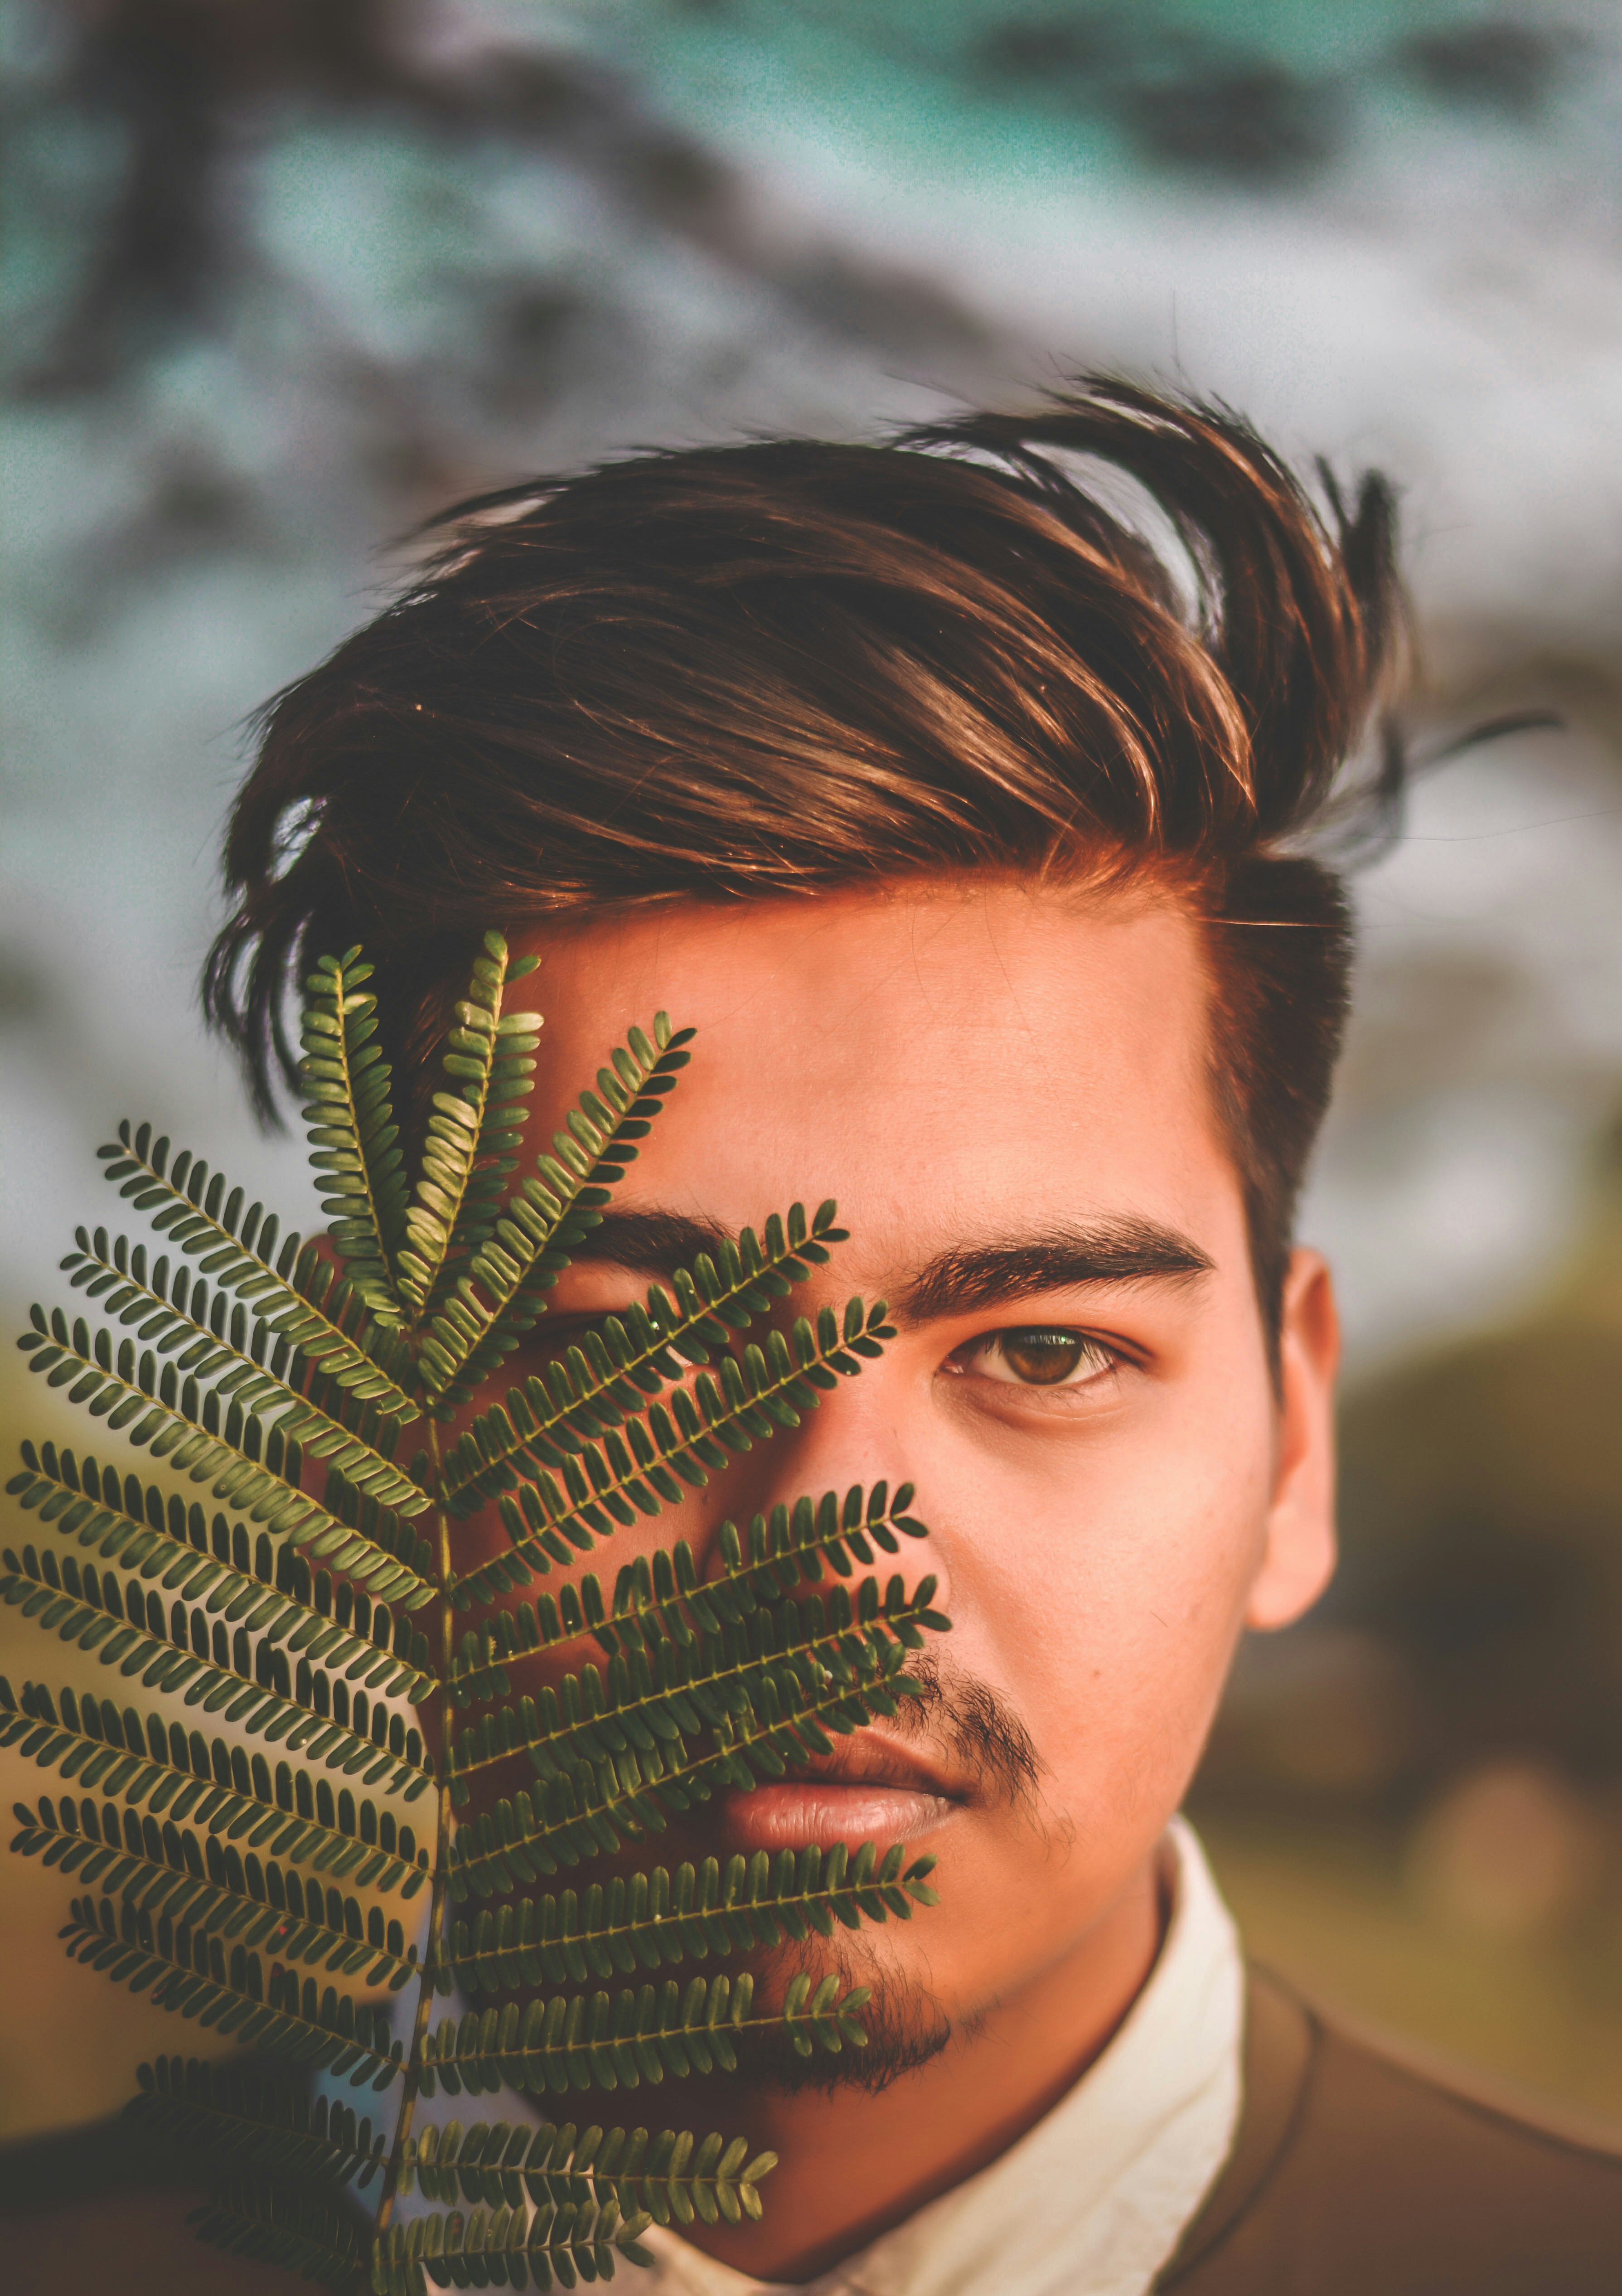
pixel 1299 1558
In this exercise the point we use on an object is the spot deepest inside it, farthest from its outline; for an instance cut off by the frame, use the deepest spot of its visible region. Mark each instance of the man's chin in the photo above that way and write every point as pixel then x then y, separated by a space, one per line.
pixel 906 2028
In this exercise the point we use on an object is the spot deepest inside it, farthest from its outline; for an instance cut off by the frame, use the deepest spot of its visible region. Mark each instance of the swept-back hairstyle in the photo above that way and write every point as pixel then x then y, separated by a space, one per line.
pixel 1112 639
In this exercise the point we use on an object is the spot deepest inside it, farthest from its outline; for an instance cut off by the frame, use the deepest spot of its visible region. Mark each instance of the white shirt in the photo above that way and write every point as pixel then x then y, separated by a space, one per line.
pixel 1094 2199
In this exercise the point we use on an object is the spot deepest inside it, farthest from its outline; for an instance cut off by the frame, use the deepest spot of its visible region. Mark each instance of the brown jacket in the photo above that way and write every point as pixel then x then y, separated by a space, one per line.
pixel 1354 2175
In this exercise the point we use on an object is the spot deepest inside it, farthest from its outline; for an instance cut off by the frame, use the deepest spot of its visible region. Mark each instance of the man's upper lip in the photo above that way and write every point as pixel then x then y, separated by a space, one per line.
pixel 873 1762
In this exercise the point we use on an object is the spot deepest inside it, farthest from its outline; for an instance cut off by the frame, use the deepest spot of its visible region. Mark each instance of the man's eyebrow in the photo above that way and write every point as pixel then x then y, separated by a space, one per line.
pixel 651 1242
pixel 1127 1251
pixel 956 1281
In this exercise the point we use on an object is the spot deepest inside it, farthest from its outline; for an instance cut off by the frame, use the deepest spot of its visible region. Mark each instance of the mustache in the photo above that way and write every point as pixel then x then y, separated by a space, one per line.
pixel 986 1736
pixel 907 2026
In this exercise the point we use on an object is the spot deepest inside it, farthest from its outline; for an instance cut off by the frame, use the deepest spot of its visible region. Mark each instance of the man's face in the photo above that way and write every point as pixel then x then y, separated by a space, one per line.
pixel 1006 1091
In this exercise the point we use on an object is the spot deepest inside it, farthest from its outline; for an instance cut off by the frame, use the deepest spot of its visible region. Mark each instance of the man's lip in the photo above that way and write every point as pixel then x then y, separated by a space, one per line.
pixel 792 1813
pixel 866 1787
pixel 876 1764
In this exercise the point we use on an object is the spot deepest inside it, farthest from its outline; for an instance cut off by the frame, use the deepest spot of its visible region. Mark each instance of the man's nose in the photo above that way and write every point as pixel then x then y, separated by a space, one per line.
pixel 855 1437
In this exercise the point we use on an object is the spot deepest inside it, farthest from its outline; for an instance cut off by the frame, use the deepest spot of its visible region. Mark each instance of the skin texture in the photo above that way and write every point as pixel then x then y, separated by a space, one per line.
pixel 969 1067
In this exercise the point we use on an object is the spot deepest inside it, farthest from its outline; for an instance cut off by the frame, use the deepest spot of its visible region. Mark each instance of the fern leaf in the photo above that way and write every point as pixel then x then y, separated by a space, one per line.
pixel 383 1533
pixel 479 1667
pixel 283 1813
pixel 252 1467
pixel 251 1686
pixel 647 1921
pixel 233 2115
pixel 230 1992
pixel 488 1063
pixel 227 1348
pixel 236 1245
pixel 275 1594
pixel 671 2177
pixel 303 2233
pixel 637 1353
pixel 611 2041
pixel 353 1139
pixel 663 1593
pixel 173 1420
pixel 790 1545
pixel 570 2240
pixel 590 1810
pixel 473 1129
pixel 165 1868
pixel 572 1498
pixel 221 1866
pixel 502 1292
pixel 657 1695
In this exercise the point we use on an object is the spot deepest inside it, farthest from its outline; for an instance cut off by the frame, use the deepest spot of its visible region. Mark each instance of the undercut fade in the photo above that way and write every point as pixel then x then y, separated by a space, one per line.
pixel 1113 640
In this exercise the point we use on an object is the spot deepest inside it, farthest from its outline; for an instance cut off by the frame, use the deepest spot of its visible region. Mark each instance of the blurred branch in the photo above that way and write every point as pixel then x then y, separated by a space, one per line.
pixel 188 89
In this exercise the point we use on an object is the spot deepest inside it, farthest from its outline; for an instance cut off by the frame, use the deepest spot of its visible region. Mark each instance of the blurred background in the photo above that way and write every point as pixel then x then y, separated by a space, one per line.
pixel 283 276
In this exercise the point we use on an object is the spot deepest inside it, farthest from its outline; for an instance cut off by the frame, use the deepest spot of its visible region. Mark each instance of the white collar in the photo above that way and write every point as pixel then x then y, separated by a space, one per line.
pixel 1094 2199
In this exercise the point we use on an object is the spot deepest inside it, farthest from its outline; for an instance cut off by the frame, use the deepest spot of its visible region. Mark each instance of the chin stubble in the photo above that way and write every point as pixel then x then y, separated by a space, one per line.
pixel 907 2027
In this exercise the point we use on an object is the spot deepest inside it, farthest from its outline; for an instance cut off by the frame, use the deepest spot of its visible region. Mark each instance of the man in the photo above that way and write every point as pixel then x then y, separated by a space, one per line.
pixel 955 791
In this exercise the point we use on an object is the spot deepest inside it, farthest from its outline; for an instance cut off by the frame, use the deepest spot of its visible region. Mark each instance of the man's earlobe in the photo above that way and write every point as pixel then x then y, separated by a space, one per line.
pixel 1299 1556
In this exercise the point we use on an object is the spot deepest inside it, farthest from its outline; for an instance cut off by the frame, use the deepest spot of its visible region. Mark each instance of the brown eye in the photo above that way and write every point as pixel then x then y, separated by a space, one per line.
pixel 1043 1358
pixel 1035 1355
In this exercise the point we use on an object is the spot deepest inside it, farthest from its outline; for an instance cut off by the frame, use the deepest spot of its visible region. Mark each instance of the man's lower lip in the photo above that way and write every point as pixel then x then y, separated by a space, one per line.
pixel 788 1816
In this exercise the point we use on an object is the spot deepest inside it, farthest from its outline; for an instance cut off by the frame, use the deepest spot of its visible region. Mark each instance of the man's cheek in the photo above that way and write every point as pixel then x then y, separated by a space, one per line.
pixel 1119 1701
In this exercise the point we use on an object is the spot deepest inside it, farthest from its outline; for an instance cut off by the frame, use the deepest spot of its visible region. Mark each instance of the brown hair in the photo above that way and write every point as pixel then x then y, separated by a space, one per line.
pixel 769 668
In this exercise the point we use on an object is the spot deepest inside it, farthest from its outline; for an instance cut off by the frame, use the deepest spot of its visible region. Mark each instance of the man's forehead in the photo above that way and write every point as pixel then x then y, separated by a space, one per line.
pixel 946 955
pixel 951 1060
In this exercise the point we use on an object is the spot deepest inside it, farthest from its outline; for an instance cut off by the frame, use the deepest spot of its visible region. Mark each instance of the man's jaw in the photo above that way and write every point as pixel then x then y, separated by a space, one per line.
pixel 868 1789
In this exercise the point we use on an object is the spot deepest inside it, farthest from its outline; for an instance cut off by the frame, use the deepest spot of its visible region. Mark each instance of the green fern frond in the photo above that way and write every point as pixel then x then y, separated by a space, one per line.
pixel 276 1595
pixel 662 1691
pixel 224 1877
pixel 635 1354
pixel 671 2177
pixel 237 1245
pixel 174 1420
pixel 229 1992
pixel 602 2041
pixel 478 1665
pixel 573 1497
pixel 789 1544
pixel 233 2115
pixel 354 1138
pixel 650 1921
pixel 503 1293
pixel 163 1869
pixel 252 1466
pixel 664 1592
pixel 236 1353
pixel 592 1809
pixel 304 2233
pixel 286 1813
pixel 570 2240
pixel 386 1538
pixel 251 1686
pixel 473 1129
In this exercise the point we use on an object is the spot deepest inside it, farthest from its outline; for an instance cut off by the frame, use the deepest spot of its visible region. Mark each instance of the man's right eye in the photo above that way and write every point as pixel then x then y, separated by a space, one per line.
pixel 1037 1355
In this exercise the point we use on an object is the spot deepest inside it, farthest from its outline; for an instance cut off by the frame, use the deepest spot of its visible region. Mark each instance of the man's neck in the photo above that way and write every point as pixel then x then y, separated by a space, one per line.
pixel 854 2164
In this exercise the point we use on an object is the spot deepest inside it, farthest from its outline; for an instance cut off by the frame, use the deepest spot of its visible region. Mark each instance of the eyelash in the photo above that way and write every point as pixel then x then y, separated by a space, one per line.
pixel 1096 1358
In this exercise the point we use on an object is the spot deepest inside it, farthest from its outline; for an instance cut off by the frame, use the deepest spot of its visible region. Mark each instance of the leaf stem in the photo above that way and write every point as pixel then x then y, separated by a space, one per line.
pixel 428 1985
